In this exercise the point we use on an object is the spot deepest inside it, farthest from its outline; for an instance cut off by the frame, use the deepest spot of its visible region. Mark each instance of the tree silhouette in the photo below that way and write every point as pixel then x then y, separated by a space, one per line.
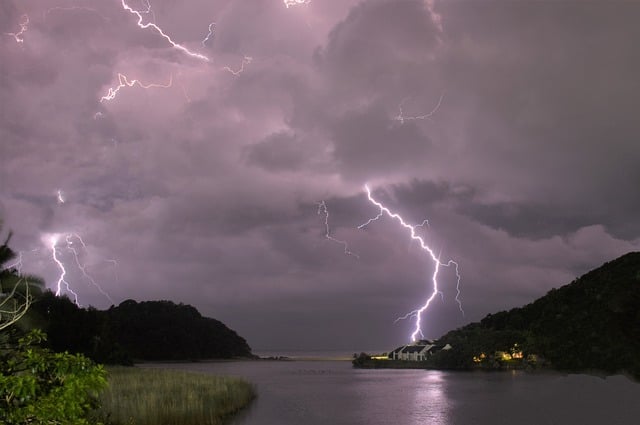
pixel 16 290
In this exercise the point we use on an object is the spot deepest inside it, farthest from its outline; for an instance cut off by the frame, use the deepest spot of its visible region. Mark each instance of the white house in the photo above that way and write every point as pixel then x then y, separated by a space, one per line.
pixel 415 352
pixel 418 351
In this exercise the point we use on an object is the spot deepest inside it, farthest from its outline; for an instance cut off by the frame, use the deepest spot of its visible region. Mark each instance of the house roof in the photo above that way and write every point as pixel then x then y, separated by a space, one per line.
pixel 422 346
pixel 414 348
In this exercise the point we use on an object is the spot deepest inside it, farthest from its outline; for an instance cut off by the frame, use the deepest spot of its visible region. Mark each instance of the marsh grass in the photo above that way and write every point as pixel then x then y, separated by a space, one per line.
pixel 168 397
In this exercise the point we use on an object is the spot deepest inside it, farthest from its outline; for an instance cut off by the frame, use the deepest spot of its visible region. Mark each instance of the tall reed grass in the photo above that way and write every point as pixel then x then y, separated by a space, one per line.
pixel 139 396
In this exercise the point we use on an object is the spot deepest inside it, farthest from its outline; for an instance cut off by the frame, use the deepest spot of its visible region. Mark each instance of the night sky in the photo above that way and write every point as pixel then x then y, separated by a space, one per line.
pixel 512 126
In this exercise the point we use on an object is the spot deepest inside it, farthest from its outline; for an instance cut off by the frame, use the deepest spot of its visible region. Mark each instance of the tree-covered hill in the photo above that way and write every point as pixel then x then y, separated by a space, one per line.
pixel 149 330
pixel 162 330
pixel 593 323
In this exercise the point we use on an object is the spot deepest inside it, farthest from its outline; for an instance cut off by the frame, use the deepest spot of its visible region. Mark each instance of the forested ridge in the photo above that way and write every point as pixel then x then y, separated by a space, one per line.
pixel 593 323
pixel 131 331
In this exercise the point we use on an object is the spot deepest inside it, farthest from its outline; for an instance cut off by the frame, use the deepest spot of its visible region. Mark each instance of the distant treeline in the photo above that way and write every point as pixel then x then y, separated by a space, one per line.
pixel 591 324
pixel 131 331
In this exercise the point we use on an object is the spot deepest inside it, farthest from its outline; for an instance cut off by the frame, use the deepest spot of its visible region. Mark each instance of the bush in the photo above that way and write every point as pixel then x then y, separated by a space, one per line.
pixel 38 386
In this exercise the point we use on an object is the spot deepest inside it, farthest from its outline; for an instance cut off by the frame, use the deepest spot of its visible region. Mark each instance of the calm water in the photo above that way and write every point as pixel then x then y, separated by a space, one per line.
pixel 332 392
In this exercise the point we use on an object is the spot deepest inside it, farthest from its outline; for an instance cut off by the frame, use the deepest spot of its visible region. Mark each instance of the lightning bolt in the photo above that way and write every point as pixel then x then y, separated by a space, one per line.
pixel 149 10
pixel 183 88
pixel 124 82
pixel 60 197
pixel 17 264
pixel 289 3
pixel 159 30
pixel 53 241
pixel 81 267
pixel 417 313
pixel 322 208
pixel 245 61
pixel 208 36
pixel 401 118
pixel 24 25
pixel 115 268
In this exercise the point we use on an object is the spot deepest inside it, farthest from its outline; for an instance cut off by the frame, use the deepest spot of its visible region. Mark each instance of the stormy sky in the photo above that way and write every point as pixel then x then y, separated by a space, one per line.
pixel 512 126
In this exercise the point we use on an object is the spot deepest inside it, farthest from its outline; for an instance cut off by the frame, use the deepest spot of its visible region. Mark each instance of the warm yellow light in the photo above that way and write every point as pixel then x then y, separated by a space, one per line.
pixel 503 355
pixel 478 359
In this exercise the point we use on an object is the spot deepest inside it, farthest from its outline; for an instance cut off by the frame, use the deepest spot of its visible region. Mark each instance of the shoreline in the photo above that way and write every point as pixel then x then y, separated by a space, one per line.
pixel 513 367
pixel 249 359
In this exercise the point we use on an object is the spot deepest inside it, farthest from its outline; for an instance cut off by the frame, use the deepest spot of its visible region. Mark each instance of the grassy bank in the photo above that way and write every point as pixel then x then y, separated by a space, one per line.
pixel 168 397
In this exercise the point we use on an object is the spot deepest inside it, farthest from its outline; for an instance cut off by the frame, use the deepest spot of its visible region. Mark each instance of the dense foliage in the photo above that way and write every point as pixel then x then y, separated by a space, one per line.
pixel 592 323
pixel 149 330
pixel 39 386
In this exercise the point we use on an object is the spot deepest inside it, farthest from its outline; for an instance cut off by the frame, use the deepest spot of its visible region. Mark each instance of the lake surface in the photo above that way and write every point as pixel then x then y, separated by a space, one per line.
pixel 304 392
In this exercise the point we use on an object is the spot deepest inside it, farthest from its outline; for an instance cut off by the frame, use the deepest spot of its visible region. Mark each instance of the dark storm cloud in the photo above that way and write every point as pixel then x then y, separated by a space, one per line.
pixel 367 143
pixel 531 221
pixel 521 152
pixel 278 151
pixel 521 220
pixel 253 27
pixel 550 104
pixel 42 204
pixel 378 45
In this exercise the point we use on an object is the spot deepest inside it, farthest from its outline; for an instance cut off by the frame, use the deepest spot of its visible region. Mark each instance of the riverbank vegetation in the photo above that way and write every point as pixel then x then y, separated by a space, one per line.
pixel 38 386
pixel 158 396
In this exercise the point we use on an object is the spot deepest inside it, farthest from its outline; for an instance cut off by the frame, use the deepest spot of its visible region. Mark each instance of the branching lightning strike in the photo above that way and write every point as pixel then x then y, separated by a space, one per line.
pixel 417 313
pixel 53 242
pixel 82 267
pixel 24 25
pixel 289 3
pixel 62 284
pixel 322 208
pixel 401 118
pixel 17 264
pixel 245 61
pixel 159 30
pixel 212 25
pixel 124 82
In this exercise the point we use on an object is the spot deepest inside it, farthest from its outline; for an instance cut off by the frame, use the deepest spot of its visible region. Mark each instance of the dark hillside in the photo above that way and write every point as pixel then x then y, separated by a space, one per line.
pixel 163 330
pixel 149 330
pixel 593 323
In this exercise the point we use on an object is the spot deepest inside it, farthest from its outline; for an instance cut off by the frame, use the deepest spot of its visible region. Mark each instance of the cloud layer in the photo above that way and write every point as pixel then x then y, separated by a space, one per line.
pixel 510 126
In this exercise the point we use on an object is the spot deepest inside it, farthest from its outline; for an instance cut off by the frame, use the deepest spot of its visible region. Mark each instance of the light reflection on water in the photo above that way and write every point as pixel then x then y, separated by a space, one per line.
pixel 430 402
pixel 332 392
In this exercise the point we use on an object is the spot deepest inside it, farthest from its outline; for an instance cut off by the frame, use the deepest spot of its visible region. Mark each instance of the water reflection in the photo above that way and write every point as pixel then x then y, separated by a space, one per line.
pixel 430 402
pixel 321 393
